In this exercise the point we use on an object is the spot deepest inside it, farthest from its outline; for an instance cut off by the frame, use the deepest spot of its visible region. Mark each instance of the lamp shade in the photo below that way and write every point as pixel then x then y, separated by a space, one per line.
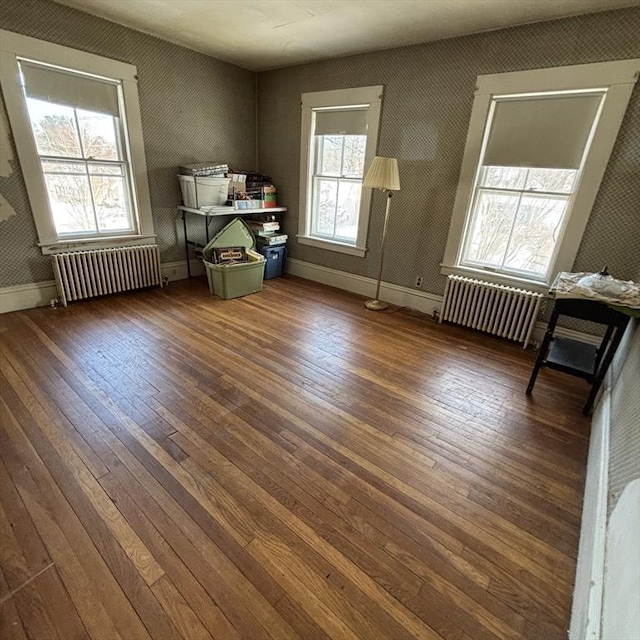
pixel 383 174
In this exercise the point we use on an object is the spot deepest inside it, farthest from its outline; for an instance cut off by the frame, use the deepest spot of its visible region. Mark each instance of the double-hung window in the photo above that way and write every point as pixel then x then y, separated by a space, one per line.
pixel 75 119
pixel 537 147
pixel 77 126
pixel 339 136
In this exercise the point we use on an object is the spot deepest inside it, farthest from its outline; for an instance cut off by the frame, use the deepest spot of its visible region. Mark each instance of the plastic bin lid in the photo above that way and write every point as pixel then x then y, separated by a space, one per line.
pixel 235 234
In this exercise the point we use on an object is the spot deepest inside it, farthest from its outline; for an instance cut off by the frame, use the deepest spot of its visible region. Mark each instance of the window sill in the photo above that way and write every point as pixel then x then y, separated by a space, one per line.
pixel 497 278
pixel 332 246
pixel 87 244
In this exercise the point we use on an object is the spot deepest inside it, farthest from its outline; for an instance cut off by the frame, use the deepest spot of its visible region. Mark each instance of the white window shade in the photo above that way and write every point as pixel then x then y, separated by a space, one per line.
pixel 73 90
pixel 549 132
pixel 346 122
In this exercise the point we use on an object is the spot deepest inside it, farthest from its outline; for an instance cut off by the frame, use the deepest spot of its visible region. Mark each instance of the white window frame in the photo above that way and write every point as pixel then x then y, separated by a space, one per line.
pixel 14 46
pixel 618 78
pixel 370 97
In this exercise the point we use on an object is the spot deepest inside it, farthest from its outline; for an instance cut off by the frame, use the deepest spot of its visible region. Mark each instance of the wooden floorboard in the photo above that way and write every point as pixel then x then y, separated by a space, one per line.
pixel 285 465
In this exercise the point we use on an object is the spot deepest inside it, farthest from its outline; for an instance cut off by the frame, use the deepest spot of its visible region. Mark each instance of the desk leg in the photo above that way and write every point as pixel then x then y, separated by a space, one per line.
pixel 542 354
pixel 186 242
pixel 602 368
pixel 544 350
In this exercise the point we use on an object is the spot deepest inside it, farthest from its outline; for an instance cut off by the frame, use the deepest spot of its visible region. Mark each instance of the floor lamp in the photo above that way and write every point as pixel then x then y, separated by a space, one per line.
pixel 383 175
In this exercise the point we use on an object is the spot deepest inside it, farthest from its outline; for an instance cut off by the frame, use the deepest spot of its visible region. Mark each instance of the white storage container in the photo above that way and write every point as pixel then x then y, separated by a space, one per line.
pixel 210 191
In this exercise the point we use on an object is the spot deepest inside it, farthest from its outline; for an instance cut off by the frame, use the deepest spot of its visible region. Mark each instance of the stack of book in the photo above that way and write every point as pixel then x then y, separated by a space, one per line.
pixel 266 232
pixel 263 197
pixel 250 185
pixel 261 227
pixel 269 199
pixel 237 186
pixel 251 179
pixel 247 204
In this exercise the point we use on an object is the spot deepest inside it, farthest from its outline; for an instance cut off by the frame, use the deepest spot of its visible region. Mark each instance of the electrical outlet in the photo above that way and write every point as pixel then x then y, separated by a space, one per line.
pixel 419 281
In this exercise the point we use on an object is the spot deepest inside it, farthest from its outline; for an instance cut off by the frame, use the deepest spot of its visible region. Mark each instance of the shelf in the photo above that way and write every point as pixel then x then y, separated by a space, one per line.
pixel 212 212
pixel 572 356
pixel 208 214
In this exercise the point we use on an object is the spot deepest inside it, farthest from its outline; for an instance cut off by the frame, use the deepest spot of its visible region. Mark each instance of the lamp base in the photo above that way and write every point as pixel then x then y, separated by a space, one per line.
pixel 376 305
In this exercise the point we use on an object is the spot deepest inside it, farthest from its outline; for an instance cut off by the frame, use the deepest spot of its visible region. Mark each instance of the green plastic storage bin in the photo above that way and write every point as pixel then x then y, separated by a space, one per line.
pixel 234 280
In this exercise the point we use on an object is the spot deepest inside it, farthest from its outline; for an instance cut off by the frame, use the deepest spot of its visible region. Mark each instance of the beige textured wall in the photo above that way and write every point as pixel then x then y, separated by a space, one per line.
pixel 427 104
pixel 193 108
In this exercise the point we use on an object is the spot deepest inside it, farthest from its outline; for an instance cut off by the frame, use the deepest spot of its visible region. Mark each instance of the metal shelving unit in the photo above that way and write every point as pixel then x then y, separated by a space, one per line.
pixel 208 213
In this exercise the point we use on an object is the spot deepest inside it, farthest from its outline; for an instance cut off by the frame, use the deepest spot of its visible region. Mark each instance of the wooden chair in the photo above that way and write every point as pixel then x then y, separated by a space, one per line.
pixel 579 358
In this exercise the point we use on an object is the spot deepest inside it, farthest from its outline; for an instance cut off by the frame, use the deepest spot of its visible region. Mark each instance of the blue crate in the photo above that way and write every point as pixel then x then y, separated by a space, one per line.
pixel 275 257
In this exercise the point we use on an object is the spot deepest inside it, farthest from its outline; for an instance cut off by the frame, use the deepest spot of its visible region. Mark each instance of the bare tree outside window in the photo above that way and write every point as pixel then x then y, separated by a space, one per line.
pixel 83 168
pixel 337 184
pixel 518 213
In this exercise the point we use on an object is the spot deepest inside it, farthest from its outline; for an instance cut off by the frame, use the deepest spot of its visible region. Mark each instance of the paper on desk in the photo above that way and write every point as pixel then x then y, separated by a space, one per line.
pixel 612 291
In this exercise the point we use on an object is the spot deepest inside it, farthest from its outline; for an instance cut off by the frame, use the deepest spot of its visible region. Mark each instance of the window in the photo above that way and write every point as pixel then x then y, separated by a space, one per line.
pixel 336 186
pixel 339 136
pixel 75 122
pixel 532 166
pixel 75 118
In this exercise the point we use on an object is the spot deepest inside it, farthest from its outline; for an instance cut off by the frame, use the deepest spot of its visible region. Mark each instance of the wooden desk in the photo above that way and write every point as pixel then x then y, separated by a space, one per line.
pixel 579 358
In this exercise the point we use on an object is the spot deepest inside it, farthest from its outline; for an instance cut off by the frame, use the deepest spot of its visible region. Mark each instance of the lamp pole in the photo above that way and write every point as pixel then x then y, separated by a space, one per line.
pixel 376 304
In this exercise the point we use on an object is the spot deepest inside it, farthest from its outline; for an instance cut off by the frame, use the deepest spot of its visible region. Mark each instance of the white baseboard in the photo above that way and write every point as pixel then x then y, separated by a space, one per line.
pixel 392 293
pixel 178 270
pixel 40 294
pixel 586 610
pixel 402 296
pixel 27 296
pixel 540 328
pixel 621 602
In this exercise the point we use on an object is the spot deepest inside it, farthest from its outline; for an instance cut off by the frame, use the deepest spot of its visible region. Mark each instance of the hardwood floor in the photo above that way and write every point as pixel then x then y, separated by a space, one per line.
pixel 285 465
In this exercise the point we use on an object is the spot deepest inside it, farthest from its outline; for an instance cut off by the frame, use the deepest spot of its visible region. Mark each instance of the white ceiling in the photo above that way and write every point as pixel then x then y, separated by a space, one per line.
pixel 265 34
